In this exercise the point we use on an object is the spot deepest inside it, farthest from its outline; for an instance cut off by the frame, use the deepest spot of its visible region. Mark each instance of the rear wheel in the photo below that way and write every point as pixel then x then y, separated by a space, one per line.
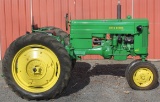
pixel 36 66
pixel 59 32
pixel 142 76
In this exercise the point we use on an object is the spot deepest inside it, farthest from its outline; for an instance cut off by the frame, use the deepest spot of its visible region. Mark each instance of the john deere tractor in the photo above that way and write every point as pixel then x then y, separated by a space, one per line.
pixel 37 65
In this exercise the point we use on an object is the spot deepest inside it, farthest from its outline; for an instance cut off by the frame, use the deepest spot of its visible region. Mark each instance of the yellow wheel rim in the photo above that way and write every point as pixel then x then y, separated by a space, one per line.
pixel 143 77
pixel 35 68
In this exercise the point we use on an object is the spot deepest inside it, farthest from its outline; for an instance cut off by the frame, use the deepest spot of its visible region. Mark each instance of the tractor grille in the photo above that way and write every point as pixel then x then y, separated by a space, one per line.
pixel 144 39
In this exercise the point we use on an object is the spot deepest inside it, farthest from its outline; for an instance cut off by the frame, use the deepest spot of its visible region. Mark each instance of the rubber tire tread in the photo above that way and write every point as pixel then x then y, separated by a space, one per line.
pixel 59 32
pixel 132 70
pixel 51 43
pixel 129 66
pixel 63 35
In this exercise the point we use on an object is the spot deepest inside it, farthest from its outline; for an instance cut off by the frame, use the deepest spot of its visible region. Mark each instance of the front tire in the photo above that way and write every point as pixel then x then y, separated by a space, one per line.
pixel 142 76
pixel 36 67
pixel 131 65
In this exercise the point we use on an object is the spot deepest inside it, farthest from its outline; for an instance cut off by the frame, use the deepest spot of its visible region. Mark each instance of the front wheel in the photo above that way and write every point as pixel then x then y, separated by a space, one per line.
pixel 130 65
pixel 142 76
pixel 36 66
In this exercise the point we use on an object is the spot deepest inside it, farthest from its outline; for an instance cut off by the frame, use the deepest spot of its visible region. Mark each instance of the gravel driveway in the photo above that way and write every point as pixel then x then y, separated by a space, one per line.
pixel 94 81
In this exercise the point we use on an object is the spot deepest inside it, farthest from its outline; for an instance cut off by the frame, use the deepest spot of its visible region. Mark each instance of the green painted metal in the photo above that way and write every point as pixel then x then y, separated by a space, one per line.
pixel 83 30
pixel 122 26
pixel 82 43
pixel 127 37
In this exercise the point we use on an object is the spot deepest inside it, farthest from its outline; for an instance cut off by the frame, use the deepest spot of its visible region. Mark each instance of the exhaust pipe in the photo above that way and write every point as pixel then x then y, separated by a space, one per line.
pixel 119 10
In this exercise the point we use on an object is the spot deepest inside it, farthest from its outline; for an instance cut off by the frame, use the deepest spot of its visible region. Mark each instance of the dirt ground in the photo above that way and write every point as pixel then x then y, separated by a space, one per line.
pixel 94 81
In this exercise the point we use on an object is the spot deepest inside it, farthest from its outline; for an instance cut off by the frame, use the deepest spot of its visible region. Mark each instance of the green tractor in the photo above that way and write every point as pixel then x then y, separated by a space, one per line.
pixel 38 65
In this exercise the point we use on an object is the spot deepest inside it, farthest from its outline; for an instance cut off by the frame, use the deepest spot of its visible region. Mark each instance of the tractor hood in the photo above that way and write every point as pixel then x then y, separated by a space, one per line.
pixel 111 26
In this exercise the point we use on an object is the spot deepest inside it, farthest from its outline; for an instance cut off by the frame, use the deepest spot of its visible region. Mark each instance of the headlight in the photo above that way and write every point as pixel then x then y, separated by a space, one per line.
pixel 139 28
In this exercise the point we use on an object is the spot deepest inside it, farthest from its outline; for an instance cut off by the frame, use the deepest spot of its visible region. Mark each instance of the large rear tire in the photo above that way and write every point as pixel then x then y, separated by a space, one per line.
pixel 59 32
pixel 36 67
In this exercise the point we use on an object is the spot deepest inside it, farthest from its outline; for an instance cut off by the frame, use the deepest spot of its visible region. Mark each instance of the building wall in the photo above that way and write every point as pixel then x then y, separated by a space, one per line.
pixel 16 18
